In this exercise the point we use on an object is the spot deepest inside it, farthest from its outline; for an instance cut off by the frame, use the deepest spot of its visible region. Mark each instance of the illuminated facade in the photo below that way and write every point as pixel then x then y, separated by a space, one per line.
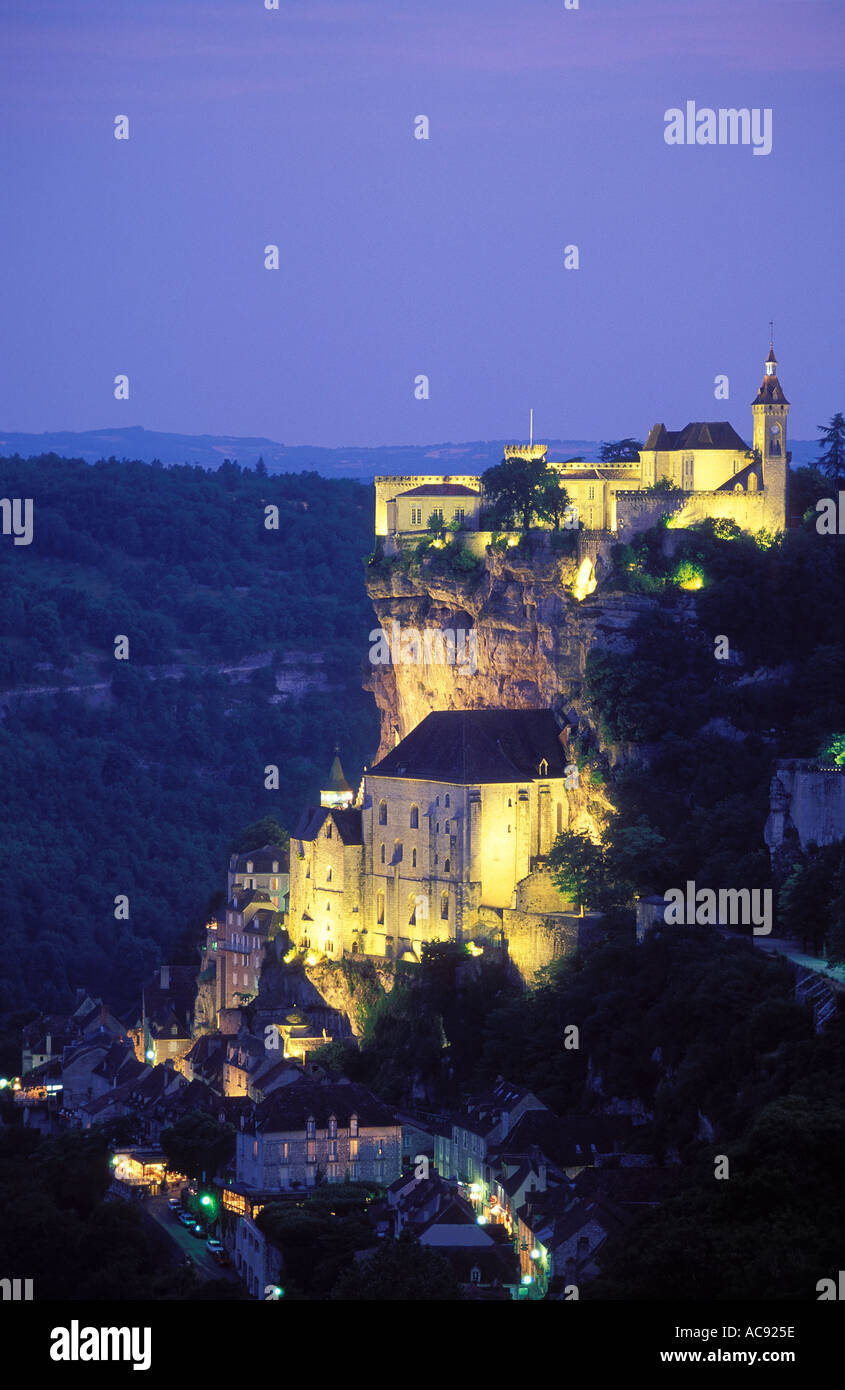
pixel 447 842
pixel 707 460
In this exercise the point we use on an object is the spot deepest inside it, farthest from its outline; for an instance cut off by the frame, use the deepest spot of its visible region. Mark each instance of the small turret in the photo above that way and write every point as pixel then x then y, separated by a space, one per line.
pixel 337 791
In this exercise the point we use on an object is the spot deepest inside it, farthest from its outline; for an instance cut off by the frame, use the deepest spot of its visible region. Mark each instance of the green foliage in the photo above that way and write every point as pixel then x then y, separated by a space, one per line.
pixel 262 832
pixel 621 451
pixel 400 1271
pixel 519 487
pixel 831 462
pixel 135 784
pixel 58 1230
pixel 578 867
pixel 198 1145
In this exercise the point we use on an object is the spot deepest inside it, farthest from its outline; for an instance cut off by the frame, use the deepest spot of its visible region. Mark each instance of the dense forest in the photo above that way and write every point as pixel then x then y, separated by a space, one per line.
pixel 133 776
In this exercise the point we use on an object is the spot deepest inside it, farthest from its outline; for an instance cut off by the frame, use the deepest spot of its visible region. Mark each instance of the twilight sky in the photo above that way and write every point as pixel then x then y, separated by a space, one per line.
pixel 402 256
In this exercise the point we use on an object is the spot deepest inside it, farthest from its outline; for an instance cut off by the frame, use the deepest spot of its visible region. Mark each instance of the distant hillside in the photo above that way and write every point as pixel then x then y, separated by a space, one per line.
pixel 133 776
pixel 209 451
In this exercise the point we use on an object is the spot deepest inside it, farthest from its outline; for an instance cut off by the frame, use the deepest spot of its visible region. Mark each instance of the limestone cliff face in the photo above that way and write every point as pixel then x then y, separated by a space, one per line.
pixel 532 636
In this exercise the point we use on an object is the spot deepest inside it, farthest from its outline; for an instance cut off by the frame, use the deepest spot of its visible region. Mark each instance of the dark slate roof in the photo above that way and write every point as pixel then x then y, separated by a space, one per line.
pixel 347 820
pixel 698 434
pixel 480 745
pixel 289 1107
pixel 262 860
pixel 566 1142
pixel 441 490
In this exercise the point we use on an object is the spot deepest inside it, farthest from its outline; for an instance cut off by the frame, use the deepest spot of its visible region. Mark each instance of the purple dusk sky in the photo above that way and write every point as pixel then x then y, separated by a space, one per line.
pixel 401 256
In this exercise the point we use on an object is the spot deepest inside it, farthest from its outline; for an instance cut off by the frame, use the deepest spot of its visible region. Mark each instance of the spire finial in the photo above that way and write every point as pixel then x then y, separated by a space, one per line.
pixel 772 334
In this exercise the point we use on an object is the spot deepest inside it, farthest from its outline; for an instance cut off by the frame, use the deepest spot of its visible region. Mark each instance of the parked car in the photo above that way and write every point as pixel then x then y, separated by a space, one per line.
pixel 186 1218
pixel 174 1204
pixel 197 1230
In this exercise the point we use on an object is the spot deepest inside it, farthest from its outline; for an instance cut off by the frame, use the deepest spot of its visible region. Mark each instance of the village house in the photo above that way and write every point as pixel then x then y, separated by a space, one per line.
pixel 337 1130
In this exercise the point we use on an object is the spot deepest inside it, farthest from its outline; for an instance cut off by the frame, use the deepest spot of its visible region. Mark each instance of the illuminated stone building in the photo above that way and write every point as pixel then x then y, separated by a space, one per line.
pixel 447 841
pixel 708 461
pixel 337 1130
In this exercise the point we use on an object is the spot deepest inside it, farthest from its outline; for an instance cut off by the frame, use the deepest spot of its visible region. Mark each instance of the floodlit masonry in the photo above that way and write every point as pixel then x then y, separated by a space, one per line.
pixel 716 473
pixel 445 841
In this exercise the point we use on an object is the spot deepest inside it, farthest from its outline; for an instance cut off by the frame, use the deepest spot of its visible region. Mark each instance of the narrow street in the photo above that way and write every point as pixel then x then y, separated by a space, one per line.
pixel 205 1265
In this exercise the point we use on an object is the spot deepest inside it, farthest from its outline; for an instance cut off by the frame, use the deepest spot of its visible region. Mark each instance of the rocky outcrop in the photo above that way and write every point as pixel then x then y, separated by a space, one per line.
pixel 532 634
pixel 806 806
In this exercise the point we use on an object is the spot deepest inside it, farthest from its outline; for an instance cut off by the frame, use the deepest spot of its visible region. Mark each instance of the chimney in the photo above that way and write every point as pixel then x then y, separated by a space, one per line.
pixel 165 977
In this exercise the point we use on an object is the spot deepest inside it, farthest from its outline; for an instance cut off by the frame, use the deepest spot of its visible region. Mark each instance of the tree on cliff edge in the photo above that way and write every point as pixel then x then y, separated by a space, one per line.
pixel 516 487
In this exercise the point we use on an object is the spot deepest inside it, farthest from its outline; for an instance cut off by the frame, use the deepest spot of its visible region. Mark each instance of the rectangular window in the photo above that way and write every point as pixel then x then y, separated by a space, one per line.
pixel 311 1156
pixel 459 515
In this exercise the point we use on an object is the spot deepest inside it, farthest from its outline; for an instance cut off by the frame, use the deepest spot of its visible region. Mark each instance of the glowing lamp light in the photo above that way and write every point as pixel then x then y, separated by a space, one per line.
pixel 290 955
pixel 482 1220
pixel 278 1291
pixel 149 1054
pixel 527 1279
pixel 206 1201
pixel 475 1189
pixel 535 1253
pixel 311 958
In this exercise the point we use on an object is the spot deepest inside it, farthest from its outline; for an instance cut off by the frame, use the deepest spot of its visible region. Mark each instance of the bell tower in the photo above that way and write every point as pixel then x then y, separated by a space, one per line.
pixel 770 409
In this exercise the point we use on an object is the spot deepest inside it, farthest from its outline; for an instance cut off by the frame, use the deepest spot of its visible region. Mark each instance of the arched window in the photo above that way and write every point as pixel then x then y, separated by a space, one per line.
pixel 380 909
pixel 412 909
pixel 444 907
pixel 382 854
pixel 413 858
pixel 249 866
pixel 447 800
pixel 328 830
pixel 332 1126
pixel 382 813
pixel 310 1127
pixel 397 851
pixel 475 1275
pixel 415 817
pixel 446 866
pixel 752 482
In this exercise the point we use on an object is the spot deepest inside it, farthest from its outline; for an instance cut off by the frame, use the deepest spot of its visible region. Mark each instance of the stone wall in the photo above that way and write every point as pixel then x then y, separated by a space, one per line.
pixel 806 805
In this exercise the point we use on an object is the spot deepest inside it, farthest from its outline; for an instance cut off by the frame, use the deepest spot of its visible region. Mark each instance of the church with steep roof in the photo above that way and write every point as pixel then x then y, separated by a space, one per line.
pixel 446 841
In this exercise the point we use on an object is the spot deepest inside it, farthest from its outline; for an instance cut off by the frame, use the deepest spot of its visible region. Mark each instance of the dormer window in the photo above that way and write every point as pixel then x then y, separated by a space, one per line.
pixel 275 866
pixel 310 1127
pixel 332 1126
pixel 353 1126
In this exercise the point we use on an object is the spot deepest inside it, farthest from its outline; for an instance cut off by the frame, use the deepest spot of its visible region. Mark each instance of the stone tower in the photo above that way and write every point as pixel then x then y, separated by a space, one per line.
pixel 770 409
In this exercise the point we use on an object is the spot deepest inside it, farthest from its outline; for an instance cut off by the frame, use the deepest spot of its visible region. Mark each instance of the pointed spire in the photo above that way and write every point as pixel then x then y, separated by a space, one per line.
pixel 771 391
pixel 337 791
